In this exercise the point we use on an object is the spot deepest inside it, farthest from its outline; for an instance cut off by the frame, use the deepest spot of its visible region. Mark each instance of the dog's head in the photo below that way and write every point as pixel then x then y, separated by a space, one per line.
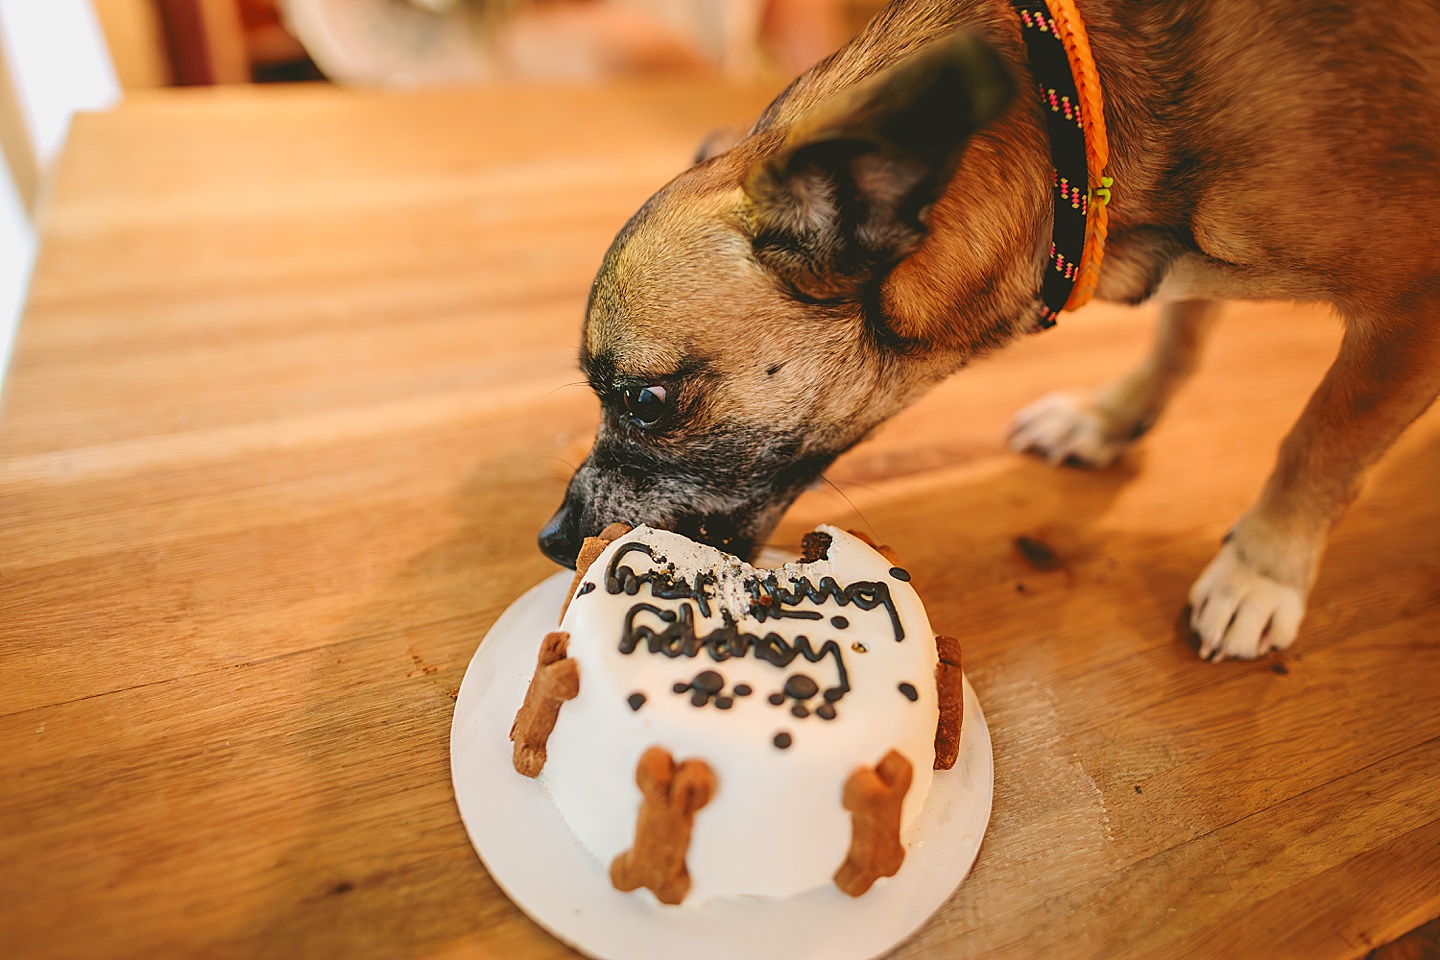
pixel 737 333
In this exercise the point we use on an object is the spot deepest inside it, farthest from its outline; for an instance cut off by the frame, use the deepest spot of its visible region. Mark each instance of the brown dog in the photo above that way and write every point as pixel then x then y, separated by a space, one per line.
pixel 888 218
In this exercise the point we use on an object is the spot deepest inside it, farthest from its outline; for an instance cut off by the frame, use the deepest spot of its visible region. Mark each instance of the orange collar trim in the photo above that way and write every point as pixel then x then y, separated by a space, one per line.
pixel 1070 28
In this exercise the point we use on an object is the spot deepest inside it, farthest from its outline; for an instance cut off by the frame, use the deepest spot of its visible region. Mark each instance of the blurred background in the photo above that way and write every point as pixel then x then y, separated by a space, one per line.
pixel 61 56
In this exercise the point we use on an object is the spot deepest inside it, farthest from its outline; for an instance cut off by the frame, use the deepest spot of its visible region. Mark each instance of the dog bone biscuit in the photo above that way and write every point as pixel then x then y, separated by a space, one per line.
pixel 950 691
pixel 589 550
pixel 556 679
pixel 873 797
pixel 672 795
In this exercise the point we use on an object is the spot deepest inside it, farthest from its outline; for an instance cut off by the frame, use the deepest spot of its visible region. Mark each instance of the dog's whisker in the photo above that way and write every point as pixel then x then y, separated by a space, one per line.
pixel 853 483
pixel 858 513
pixel 573 383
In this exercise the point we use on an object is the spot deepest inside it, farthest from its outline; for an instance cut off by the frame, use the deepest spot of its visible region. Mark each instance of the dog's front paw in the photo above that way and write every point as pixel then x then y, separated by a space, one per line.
pixel 1239 612
pixel 1068 428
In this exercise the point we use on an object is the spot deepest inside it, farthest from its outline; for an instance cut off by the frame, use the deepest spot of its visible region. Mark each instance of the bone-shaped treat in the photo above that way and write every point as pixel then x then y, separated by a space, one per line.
pixel 671 796
pixel 874 797
pixel 950 690
pixel 590 550
pixel 556 679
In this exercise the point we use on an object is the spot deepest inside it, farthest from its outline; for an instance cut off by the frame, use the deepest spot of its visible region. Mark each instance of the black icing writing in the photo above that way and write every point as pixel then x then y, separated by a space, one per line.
pixel 664 585
pixel 769 599
pixel 801 687
pixel 708 687
pixel 677 638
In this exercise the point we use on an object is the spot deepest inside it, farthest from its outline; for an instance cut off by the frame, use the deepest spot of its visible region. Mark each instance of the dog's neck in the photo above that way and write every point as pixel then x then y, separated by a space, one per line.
pixel 973 285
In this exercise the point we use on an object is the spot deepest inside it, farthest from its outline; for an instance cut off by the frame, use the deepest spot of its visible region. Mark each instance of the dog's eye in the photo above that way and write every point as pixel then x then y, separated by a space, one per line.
pixel 645 404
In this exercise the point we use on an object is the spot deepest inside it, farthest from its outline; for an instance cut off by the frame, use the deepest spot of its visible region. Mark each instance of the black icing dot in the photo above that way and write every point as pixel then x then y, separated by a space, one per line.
pixel 743 690
pixel 839 623
pixel 910 692
pixel 800 710
pixel 584 589
pixel 782 740
pixel 680 687
pixel 899 573
pixel 636 700
pixel 777 698
pixel 801 687
pixel 709 681
pixel 724 703
pixel 833 694
pixel 825 712
pixel 699 698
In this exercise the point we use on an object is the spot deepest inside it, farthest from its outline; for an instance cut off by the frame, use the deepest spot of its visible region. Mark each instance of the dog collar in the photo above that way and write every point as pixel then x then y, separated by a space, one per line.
pixel 1069 87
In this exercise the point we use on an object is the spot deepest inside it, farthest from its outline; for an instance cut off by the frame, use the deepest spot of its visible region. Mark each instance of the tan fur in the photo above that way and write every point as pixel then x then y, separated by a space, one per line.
pixel 1260 149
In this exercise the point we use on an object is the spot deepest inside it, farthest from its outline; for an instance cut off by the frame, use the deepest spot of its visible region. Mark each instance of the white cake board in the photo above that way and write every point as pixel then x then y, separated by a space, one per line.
pixel 532 855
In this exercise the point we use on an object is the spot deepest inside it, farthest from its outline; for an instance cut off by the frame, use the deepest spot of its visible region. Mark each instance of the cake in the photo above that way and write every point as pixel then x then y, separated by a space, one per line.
pixel 707 728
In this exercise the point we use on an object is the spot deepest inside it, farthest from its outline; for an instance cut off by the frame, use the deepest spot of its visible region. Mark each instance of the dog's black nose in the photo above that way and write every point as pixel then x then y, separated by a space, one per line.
pixel 560 537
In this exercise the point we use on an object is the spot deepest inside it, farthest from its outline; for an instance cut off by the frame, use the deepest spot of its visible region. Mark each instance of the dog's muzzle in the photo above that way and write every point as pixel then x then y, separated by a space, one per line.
pixel 560 537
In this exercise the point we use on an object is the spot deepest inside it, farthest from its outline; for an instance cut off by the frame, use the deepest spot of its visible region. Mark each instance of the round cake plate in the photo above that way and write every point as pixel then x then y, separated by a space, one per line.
pixel 535 859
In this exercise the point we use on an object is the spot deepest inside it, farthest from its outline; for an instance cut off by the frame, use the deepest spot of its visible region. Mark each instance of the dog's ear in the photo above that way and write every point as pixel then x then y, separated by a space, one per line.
pixel 847 196
pixel 717 141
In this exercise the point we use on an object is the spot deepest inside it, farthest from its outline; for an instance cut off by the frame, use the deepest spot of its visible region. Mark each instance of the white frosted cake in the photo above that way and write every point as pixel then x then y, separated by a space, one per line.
pixel 786 694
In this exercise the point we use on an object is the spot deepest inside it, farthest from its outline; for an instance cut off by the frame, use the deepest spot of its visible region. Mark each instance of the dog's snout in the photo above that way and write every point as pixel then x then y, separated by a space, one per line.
pixel 560 537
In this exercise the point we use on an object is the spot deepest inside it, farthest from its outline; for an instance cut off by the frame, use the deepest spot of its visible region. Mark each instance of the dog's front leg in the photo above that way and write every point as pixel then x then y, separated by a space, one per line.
pixel 1094 429
pixel 1251 597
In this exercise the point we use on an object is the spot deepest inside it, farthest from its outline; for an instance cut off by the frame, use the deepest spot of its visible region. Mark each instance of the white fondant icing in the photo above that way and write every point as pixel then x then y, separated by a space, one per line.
pixel 775 827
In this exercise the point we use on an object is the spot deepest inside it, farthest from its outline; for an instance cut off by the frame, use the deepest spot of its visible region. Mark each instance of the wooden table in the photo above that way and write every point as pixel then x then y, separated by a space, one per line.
pixel 294 392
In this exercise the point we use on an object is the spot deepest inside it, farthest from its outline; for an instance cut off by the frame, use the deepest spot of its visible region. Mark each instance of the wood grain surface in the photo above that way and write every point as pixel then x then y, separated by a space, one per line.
pixel 296 388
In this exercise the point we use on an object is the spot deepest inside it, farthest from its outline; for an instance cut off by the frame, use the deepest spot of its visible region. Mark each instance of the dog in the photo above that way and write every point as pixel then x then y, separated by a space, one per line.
pixel 888 218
